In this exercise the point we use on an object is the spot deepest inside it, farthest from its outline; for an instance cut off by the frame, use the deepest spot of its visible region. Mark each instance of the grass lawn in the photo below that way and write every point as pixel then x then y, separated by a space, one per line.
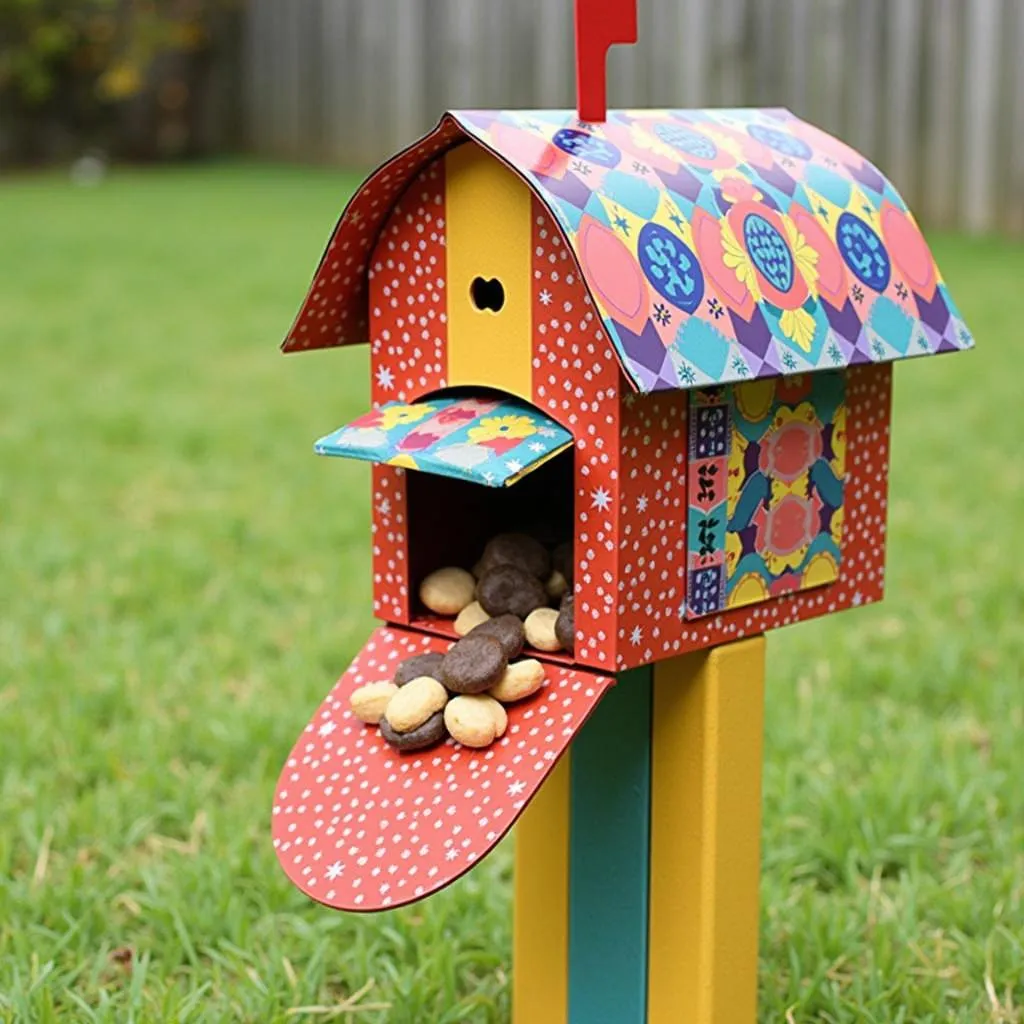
pixel 181 581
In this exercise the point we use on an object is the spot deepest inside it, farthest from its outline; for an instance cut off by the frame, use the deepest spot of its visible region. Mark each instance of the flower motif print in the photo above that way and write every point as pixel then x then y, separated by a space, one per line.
pixel 495 428
pixel 392 416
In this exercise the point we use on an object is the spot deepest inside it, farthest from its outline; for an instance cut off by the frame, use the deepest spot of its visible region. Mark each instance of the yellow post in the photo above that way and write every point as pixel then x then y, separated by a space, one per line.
pixel 706 836
pixel 540 929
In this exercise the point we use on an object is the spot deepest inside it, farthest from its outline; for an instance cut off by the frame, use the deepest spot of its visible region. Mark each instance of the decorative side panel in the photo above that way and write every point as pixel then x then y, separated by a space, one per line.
pixel 576 380
pixel 390 544
pixel 862 522
pixel 767 465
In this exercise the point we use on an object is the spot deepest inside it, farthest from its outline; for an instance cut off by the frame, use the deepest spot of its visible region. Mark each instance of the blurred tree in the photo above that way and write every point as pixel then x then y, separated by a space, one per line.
pixel 141 79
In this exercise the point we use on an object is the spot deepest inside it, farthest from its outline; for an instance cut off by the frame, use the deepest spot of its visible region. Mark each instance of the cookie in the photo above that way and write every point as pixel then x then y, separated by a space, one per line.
pixel 447 591
pixel 475 721
pixel 473 664
pixel 521 680
pixel 507 630
pixel 430 732
pixel 539 628
pixel 562 561
pixel 564 625
pixel 416 666
pixel 557 586
pixel 369 702
pixel 519 550
pixel 414 703
pixel 469 618
pixel 508 589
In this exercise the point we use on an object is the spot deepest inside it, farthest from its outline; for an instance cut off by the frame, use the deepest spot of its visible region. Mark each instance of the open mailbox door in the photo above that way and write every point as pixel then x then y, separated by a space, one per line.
pixel 359 826
pixel 493 441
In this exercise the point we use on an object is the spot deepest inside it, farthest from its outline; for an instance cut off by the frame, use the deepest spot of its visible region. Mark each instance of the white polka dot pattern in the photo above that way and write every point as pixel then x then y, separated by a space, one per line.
pixel 576 380
pixel 358 826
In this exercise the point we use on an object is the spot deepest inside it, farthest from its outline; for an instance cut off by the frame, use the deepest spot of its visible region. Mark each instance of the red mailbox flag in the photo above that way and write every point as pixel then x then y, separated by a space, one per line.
pixel 600 24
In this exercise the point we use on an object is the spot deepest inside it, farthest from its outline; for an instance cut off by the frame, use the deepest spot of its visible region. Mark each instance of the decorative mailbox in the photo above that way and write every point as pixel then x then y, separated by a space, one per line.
pixel 668 338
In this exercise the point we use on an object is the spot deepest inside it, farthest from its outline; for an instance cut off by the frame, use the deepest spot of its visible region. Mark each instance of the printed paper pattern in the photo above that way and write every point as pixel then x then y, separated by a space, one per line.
pixel 491 441
pixel 767 471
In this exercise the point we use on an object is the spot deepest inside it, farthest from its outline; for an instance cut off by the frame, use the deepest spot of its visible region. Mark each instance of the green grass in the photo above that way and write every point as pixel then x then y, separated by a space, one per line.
pixel 181 581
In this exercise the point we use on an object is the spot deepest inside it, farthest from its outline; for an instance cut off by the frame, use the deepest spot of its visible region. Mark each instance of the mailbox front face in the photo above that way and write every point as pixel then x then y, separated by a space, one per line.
pixel 467 220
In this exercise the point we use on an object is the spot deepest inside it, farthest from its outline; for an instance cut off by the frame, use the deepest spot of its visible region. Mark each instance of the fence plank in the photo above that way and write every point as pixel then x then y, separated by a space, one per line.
pixel 978 198
pixel 903 93
pixel 1015 171
pixel 942 112
pixel 931 90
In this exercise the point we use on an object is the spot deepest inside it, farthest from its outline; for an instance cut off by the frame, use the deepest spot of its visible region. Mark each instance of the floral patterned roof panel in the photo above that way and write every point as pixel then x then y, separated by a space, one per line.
pixel 717 245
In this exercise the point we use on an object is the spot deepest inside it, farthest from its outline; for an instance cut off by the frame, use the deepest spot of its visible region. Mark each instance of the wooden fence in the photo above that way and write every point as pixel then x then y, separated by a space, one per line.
pixel 931 90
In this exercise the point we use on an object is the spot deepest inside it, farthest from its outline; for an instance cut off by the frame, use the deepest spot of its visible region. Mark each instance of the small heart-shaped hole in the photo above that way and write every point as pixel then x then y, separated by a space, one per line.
pixel 487 294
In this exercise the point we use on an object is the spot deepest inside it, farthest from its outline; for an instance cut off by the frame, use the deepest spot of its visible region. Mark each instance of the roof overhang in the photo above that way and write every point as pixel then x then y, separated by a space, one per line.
pixel 760 244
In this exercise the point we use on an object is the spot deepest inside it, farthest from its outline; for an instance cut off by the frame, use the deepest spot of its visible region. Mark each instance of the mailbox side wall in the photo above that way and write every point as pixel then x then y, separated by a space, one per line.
pixel 653 528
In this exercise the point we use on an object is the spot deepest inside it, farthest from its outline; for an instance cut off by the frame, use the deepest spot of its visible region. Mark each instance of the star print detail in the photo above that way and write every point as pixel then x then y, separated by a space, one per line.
pixel 516 788
pixel 545 297
pixel 333 871
pixel 385 378
pixel 641 503
pixel 636 637
pixel 601 499
pixel 327 728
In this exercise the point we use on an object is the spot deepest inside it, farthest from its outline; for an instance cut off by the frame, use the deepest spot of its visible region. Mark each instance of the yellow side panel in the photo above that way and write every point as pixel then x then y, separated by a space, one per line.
pixel 489 232
pixel 540 930
pixel 706 836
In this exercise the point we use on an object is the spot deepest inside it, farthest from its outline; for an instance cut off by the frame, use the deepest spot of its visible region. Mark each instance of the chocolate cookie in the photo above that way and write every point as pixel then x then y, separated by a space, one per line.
pixel 418 665
pixel 507 630
pixel 519 550
pixel 432 731
pixel 562 561
pixel 508 589
pixel 473 665
pixel 564 624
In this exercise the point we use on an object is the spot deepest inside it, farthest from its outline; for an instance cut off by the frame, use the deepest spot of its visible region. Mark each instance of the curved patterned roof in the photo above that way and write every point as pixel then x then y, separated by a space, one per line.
pixel 718 245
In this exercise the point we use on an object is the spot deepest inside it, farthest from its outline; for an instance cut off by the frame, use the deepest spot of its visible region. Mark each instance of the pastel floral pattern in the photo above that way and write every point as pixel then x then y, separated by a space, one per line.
pixel 489 441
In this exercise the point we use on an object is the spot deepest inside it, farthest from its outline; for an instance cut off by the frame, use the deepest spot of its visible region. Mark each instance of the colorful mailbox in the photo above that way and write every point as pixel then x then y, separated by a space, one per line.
pixel 669 335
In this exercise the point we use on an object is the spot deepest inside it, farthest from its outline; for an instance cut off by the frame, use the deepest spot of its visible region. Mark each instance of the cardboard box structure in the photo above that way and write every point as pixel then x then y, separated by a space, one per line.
pixel 668 336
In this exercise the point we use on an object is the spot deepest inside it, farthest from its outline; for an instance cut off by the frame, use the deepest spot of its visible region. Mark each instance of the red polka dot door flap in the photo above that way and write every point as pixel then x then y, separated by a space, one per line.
pixel 359 826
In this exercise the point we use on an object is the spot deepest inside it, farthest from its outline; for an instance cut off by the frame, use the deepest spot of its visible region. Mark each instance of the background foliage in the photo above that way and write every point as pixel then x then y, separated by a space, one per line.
pixel 132 77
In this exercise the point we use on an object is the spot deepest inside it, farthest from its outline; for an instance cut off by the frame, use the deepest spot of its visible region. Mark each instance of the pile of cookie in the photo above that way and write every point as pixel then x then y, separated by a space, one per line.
pixel 459 694
pixel 516 575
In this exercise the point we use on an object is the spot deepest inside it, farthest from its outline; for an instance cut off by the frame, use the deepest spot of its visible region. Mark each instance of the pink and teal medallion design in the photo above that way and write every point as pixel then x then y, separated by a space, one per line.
pixel 767 464
pixel 730 245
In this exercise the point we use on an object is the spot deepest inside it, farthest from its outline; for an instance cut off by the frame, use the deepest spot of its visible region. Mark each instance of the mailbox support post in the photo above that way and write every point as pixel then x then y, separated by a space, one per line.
pixel 675 825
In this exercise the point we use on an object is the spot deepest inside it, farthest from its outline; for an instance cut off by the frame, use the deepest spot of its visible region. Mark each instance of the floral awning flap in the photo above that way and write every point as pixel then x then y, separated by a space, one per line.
pixel 490 441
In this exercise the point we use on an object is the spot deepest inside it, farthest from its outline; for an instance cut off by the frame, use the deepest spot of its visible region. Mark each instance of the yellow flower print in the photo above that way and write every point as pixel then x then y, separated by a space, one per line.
pixel 836 528
pixel 821 569
pixel 737 461
pixel 736 259
pixel 494 427
pixel 804 256
pixel 799 326
pixel 754 398
pixel 402 415
pixel 839 442
pixel 733 551
pixel 751 589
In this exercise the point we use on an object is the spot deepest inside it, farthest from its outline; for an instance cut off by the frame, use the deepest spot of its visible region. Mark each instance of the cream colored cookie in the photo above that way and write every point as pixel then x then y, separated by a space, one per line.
pixel 447 591
pixel 369 702
pixel 521 680
pixel 475 721
pixel 540 629
pixel 415 703
pixel 470 617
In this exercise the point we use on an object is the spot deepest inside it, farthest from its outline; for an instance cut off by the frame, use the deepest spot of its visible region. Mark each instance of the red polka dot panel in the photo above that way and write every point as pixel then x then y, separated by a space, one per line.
pixel 358 826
